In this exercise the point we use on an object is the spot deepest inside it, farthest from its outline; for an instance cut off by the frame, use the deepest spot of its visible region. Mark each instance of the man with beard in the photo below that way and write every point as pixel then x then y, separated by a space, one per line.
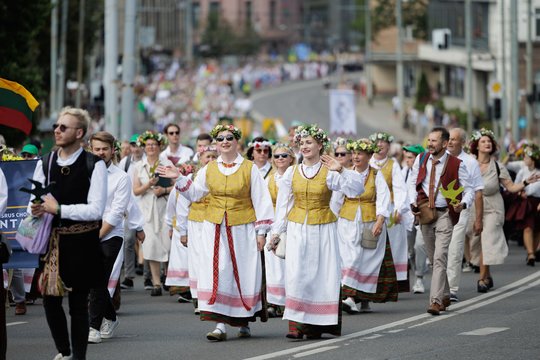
pixel 175 152
pixel 73 262
pixel 103 319
pixel 431 171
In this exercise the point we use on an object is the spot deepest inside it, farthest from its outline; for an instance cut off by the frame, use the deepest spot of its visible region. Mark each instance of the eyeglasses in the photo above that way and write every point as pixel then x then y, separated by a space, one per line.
pixel 228 138
pixel 281 156
pixel 262 151
pixel 63 127
pixel 174 133
pixel 27 156
pixel 340 154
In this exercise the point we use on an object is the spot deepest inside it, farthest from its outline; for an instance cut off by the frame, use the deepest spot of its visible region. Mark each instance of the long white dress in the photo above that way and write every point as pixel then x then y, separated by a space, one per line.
pixel 177 271
pixel 313 277
pixel 229 302
pixel 157 244
pixel 359 266
pixel 397 233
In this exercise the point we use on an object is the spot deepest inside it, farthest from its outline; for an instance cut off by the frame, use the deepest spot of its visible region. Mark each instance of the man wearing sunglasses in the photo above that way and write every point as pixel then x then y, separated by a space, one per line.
pixel 175 152
pixel 77 204
pixel 29 152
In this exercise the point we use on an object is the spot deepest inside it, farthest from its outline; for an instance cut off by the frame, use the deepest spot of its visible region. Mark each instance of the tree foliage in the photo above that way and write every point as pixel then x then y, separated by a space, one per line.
pixel 423 95
pixel 414 13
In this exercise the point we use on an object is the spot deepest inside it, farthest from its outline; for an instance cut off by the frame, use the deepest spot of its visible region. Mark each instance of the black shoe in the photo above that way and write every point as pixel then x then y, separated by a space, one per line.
pixel 139 270
pixel 156 291
pixel 148 284
pixel 453 297
pixel 476 269
pixel 481 287
pixel 127 284
pixel 531 259
pixel 489 282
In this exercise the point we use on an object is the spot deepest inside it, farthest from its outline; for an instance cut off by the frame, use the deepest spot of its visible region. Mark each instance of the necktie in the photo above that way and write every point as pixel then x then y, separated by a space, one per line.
pixel 432 184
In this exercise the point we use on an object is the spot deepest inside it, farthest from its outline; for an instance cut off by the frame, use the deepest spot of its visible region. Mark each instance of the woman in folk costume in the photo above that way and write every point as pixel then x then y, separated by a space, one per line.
pixel 341 153
pixel 186 219
pixel 494 248
pixel 153 204
pixel 366 266
pixel 236 221
pixel 260 151
pixel 397 232
pixel 312 282
pixel 275 267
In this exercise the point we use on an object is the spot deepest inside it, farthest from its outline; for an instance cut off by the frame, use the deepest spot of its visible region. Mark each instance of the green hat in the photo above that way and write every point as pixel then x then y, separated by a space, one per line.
pixel 133 139
pixel 30 149
pixel 415 149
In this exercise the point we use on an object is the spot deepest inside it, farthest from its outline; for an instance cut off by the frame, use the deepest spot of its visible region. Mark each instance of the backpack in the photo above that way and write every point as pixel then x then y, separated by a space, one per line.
pixel 91 160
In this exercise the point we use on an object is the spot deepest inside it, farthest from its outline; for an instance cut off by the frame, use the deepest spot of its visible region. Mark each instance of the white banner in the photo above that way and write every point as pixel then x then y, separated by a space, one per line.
pixel 342 112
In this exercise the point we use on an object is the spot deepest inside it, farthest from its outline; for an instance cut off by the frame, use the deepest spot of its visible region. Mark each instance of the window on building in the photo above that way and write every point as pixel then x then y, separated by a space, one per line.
pixel 537 21
pixel 214 8
pixel 249 11
pixel 273 11
pixel 196 14
pixel 455 81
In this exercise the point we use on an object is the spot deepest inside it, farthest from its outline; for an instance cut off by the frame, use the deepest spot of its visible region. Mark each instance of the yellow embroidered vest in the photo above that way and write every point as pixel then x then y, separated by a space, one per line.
pixel 197 210
pixel 272 187
pixel 230 194
pixel 366 201
pixel 387 173
pixel 311 199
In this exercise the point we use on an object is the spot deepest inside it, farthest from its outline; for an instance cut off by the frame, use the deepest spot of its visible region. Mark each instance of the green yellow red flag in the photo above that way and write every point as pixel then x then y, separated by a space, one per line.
pixel 17 106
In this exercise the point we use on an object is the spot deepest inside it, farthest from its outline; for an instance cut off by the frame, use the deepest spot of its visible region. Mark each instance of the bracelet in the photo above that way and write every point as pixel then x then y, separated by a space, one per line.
pixel 525 183
pixel 58 210
pixel 340 170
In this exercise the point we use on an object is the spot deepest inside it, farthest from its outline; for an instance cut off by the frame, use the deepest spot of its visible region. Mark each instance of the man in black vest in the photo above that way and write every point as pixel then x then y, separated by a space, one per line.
pixel 73 262
pixel 431 172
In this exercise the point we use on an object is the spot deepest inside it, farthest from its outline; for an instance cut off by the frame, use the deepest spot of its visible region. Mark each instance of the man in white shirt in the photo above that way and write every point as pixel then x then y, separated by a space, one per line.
pixel 77 203
pixel 458 137
pixel 175 152
pixel 103 320
pixel 430 172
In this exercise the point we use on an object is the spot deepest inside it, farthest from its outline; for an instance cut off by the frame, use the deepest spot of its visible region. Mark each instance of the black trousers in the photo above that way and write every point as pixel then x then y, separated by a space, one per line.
pixel 101 305
pixel 56 319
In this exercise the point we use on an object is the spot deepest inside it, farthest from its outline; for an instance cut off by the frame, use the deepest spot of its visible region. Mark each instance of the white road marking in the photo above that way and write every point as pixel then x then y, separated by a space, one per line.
pixel 462 307
pixel 395 331
pixel 17 323
pixel 484 331
pixel 376 336
pixel 316 351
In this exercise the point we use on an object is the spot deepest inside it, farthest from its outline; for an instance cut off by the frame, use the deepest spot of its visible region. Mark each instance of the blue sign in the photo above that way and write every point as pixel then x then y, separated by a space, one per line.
pixel 17 174
pixel 522 122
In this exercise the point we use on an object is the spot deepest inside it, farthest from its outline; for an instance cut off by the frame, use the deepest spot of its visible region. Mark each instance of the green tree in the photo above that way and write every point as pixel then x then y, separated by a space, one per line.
pixel 414 13
pixel 247 42
pixel 218 37
pixel 423 94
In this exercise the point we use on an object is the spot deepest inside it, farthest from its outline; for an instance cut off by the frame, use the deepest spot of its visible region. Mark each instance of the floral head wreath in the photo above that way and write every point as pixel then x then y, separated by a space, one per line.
pixel 311 130
pixel 151 135
pixel 260 144
pixel 533 151
pixel 282 146
pixel 381 136
pixel 341 142
pixel 207 148
pixel 477 134
pixel 237 133
pixel 363 145
pixel 8 155
pixel 117 147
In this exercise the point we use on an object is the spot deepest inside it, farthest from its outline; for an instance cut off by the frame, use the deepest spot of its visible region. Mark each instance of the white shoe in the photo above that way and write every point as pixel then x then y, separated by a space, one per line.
pixel 62 357
pixel 94 337
pixel 365 307
pixel 107 328
pixel 418 287
pixel 349 306
pixel 196 311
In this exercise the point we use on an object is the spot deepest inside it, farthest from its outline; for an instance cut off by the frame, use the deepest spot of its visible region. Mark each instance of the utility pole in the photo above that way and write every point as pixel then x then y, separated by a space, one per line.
pixel 61 87
pixel 80 53
pixel 54 58
pixel 469 74
pixel 111 62
pixel 128 69
pixel 514 71
pixel 189 33
pixel 367 60
pixel 504 80
pixel 399 61
pixel 529 71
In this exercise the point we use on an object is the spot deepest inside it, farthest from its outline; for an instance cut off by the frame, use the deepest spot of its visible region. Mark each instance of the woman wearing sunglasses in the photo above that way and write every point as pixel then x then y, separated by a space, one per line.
pixel 365 264
pixel 260 151
pixel 341 153
pixel 312 285
pixel 238 216
pixel 283 158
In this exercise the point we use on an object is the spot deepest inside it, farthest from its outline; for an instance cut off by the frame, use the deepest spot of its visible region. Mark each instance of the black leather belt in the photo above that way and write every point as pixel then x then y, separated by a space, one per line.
pixel 441 208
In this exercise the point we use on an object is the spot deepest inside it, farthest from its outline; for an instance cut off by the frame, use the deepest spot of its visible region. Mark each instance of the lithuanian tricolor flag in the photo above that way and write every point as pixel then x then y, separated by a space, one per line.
pixel 17 106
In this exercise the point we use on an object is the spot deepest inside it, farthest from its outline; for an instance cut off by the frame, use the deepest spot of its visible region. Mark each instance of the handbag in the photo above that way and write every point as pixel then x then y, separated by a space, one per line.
pixel 369 241
pixel 5 250
pixel 427 215
pixel 281 246
pixel 34 232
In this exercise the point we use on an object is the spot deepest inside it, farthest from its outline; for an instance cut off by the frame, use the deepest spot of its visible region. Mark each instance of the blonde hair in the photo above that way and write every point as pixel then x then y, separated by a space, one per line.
pixel 287 149
pixel 82 116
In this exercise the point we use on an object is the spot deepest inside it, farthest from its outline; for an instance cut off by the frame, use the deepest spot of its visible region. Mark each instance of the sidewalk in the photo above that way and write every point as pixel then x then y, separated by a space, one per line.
pixel 381 116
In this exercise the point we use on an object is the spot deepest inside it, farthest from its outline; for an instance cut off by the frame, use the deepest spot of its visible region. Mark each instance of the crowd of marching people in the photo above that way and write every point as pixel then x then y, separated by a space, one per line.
pixel 302 229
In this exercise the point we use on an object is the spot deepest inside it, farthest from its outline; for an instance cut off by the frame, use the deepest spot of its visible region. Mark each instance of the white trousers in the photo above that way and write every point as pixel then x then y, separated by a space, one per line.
pixel 455 251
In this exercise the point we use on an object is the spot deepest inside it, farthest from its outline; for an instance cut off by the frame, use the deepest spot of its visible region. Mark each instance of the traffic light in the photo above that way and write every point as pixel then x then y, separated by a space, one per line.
pixel 497 108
